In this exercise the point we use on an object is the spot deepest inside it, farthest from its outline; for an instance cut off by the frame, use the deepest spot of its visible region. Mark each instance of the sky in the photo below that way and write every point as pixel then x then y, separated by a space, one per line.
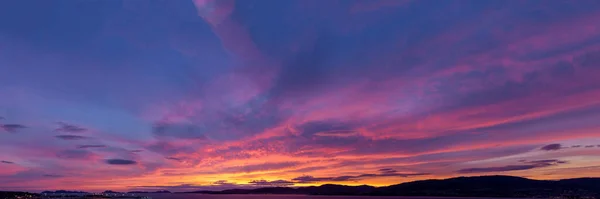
pixel 217 94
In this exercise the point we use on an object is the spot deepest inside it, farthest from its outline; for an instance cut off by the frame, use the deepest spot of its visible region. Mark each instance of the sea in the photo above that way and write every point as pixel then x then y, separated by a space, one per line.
pixel 206 196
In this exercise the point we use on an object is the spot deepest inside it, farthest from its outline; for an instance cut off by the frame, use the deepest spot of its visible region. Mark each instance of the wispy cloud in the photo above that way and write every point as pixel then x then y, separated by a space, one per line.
pixel 12 128
pixel 383 173
pixel 274 183
pixel 530 165
pixel 69 128
pixel 91 146
pixel 75 154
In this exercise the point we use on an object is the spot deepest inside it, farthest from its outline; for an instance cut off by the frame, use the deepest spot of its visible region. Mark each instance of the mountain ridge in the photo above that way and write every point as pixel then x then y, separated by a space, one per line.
pixel 479 186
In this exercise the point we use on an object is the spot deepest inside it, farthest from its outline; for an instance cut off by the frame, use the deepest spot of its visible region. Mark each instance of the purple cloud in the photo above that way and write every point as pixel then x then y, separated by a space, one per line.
pixel 260 167
pixel 12 128
pixel 91 146
pixel 174 158
pixel 52 176
pixel 6 162
pixel 384 173
pixel 75 154
pixel 552 147
pixel 69 128
pixel 71 137
pixel 176 130
pixel 531 165
pixel 120 162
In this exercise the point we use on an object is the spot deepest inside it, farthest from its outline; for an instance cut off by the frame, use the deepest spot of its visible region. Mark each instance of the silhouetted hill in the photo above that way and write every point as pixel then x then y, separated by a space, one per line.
pixel 483 186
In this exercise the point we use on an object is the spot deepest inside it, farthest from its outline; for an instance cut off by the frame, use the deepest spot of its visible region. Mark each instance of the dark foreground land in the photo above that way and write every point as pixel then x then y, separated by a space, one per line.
pixel 484 186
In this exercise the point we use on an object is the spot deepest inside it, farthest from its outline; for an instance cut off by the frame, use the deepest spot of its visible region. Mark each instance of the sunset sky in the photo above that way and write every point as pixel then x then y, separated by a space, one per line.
pixel 218 94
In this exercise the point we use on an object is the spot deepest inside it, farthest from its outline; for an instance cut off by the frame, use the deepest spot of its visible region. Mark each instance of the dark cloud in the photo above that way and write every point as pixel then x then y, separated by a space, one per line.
pixel 552 147
pixel 75 154
pixel 179 130
pixel 120 162
pixel 12 128
pixel 71 137
pixel 274 183
pixel 530 165
pixel 576 146
pixel 545 162
pixel 259 167
pixel 6 162
pixel 223 182
pixel 387 170
pixel 91 146
pixel 69 128
pixel 589 146
pixel 383 173
pixel 174 158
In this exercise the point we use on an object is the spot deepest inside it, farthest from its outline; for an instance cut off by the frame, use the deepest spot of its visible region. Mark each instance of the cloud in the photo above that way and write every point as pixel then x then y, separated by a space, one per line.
pixel 530 165
pixel 69 128
pixel 120 162
pixel 6 162
pixel 169 148
pixel 383 173
pixel 12 128
pixel 75 154
pixel 52 176
pixel 552 147
pixel 274 183
pixel 387 170
pixel 174 158
pixel 223 182
pixel 260 167
pixel 91 146
pixel 179 130
pixel 71 137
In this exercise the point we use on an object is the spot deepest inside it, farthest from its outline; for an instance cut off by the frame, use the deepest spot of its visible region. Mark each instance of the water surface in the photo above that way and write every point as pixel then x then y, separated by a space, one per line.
pixel 205 196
